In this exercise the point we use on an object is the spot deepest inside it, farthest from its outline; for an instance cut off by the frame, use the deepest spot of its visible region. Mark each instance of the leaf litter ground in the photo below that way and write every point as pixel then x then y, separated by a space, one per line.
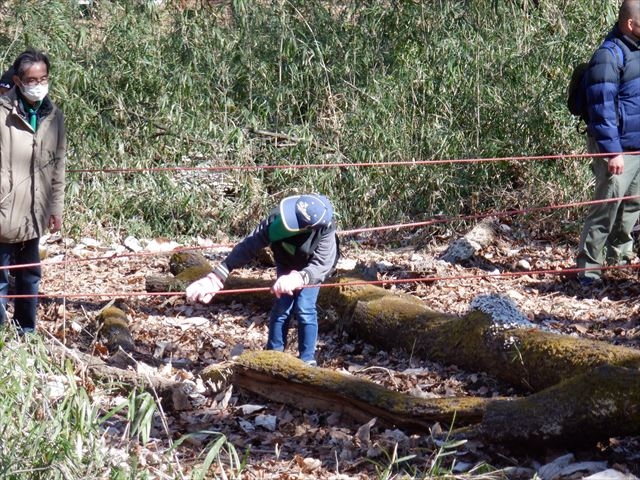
pixel 283 442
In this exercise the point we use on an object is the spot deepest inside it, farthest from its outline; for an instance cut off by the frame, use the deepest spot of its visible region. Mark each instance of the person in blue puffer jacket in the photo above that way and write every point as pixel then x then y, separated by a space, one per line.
pixel 613 97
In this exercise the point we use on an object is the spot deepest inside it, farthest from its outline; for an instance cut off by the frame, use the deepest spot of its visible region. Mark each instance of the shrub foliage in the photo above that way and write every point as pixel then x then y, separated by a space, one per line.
pixel 280 83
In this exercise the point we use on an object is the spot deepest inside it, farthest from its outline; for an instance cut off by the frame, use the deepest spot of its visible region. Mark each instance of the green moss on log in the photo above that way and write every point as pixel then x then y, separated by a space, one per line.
pixel 181 261
pixel 194 273
pixel 582 410
pixel 343 298
pixel 179 283
pixel 114 329
pixel 546 358
pixel 167 283
pixel 284 378
pixel 527 357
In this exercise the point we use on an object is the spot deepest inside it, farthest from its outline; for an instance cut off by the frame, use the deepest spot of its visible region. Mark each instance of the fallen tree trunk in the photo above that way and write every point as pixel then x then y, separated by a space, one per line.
pixel 580 411
pixel 528 357
pixel 174 395
pixel 181 261
pixel 260 296
pixel 582 385
pixel 593 406
pixel 285 379
pixel 187 267
pixel 525 357
pixel 114 329
pixel 177 283
pixel 124 366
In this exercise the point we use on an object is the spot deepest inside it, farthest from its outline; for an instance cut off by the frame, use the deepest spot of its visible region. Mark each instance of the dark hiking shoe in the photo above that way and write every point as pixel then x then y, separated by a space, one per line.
pixel 589 282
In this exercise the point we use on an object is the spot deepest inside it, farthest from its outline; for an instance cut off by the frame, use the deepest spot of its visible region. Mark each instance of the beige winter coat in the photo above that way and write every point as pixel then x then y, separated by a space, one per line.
pixel 32 170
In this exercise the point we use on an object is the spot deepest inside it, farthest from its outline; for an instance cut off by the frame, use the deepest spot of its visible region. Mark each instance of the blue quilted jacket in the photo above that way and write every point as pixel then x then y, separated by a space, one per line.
pixel 613 94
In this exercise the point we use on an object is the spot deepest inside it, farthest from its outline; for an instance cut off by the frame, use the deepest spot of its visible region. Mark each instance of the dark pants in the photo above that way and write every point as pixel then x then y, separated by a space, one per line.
pixel 27 281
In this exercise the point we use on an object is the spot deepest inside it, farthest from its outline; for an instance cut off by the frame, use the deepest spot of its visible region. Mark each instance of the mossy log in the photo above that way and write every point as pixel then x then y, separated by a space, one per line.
pixel 283 378
pixel 177 283
pixel 262 298
pixel 181 261
pixel 586 390
pixel 187 267
pixel 582 410
pixel 114 329
pixel 530 358
pixel 579 411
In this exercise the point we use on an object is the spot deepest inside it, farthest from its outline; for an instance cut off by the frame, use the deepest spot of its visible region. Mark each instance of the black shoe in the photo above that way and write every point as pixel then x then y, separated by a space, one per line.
pixel 590 282
pixel 22 331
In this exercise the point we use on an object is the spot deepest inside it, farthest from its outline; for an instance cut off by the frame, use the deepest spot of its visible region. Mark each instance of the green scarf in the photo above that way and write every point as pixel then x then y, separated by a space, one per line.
pixel 32 113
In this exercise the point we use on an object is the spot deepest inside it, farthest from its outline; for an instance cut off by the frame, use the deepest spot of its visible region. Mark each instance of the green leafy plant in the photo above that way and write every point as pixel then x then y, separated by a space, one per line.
pixel 53 428
pixel 220 456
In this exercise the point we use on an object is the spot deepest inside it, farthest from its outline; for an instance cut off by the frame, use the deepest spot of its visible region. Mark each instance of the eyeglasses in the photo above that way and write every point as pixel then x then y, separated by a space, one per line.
pixel 32 82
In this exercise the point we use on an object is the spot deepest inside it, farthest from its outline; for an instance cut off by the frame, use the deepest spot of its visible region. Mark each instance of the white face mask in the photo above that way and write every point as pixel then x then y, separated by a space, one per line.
pixel 35 93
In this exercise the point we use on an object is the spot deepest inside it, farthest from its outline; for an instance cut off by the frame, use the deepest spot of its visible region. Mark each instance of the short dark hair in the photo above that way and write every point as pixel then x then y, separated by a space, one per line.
pixel 629 9
pixel 28 58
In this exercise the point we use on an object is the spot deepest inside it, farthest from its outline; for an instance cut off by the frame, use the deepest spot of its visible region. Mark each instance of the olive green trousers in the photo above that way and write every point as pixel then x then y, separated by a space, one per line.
pixel 607 233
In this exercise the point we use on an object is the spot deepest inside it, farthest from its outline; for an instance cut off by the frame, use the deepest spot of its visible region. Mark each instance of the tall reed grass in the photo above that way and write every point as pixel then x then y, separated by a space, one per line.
pixel 58 425
pixel 194 84
pixel 51 426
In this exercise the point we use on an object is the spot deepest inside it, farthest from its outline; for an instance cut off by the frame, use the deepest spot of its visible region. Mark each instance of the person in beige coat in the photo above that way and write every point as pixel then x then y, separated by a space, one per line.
pixel 32 179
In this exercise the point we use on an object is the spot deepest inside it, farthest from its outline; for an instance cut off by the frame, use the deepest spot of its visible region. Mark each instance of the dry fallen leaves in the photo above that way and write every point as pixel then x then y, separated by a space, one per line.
pixel 285 443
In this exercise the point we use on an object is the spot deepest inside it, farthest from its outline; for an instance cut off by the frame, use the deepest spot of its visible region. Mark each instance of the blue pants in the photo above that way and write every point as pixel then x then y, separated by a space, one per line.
pixel 27 281
pixel 302 304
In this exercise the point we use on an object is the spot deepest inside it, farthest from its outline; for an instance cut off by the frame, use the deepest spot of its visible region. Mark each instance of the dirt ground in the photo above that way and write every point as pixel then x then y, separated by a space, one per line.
pixel 282 442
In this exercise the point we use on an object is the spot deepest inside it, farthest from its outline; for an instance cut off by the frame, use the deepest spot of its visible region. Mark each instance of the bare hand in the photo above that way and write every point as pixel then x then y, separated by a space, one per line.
pixel 616 165
pixel 55 223
pixel 288 284
pixel 204 289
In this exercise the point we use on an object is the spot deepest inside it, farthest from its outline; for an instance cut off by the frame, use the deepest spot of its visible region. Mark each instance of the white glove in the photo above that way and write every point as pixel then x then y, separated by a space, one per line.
pixel 287 284
pixel 204 289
